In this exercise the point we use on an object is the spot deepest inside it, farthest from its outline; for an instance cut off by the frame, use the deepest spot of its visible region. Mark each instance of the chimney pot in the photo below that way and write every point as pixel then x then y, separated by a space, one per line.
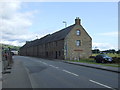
pixel 77 21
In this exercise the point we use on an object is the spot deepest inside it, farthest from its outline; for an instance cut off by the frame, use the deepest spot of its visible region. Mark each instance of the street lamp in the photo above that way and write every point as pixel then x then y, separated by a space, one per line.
pixel 65 23
pixel 37 37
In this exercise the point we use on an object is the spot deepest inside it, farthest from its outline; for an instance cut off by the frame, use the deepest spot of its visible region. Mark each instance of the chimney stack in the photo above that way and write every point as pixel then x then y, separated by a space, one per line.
pixel 77 21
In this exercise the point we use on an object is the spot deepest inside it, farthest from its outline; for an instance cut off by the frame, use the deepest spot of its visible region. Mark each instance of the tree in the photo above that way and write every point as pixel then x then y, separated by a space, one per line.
pixel 118 52
pixel 112 51
pixel 96 51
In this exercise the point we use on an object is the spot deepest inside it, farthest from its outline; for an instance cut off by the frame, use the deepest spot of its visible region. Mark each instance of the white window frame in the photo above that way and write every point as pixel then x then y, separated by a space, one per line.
pixel 78 42
pixel 78 32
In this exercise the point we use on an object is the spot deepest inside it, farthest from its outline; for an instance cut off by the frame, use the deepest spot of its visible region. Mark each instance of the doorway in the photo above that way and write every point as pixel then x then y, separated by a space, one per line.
pixel 56 55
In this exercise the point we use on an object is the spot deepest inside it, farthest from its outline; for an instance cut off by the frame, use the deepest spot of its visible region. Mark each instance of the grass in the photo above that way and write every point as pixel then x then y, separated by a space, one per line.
pixel 109 54
pixel 92 61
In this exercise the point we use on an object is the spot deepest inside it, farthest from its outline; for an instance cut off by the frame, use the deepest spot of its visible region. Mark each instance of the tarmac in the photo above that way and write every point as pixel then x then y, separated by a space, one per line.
pixel 107 68
pixel 18 78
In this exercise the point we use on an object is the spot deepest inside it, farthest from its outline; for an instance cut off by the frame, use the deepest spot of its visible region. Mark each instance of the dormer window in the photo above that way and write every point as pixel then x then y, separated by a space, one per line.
pixel 78 32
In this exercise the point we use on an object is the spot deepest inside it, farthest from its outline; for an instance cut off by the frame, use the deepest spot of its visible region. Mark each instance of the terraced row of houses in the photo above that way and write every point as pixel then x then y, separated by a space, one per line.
pixel 72 42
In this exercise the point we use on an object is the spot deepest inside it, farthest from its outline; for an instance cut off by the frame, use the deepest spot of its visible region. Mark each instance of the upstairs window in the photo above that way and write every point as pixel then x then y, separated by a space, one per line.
pixel 78 43
pixel 78 32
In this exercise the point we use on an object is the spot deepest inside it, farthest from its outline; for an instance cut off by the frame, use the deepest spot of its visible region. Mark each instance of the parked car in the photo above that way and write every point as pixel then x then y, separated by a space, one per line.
pixel 102 58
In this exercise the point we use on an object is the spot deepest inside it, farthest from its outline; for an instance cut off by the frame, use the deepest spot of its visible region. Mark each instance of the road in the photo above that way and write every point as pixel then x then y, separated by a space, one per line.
pixel 45 73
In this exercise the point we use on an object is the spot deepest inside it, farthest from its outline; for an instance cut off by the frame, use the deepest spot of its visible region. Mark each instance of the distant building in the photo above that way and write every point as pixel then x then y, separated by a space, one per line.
pixel 72 42
pixel 14 52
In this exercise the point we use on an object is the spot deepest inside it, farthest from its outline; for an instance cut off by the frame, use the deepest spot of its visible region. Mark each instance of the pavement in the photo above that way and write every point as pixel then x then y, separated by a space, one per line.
pixel 107 68
pixel 0 74
pixel 0 69
pixel 18 78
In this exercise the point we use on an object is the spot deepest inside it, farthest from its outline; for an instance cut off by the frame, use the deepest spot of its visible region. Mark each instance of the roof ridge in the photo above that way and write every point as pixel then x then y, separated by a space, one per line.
pixel 58 35
pixel 64 28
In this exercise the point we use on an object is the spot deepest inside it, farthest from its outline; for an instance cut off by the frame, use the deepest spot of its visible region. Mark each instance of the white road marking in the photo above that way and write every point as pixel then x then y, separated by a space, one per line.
pixel 45 63
pixel 53 66
pixel 57 67
pixel 70 72
pixel 101 84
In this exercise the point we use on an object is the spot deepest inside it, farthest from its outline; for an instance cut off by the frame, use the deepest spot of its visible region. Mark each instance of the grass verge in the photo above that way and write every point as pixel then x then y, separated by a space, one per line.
pixel 92 61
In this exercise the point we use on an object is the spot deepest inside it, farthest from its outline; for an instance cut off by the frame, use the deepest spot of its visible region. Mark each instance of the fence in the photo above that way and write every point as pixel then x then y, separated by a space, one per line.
pixel 6 60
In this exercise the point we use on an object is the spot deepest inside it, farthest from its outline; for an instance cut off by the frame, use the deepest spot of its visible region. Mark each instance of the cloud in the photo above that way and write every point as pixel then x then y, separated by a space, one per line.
pixel 14 25
pixel 64 0
pixel 104 46
pixel 15 43
pixel 112 34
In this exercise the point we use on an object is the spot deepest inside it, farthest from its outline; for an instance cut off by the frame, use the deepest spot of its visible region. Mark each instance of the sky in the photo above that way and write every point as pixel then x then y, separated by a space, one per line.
pixel 26 21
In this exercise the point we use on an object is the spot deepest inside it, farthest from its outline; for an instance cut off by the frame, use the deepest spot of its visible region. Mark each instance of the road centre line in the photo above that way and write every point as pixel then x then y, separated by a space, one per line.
pixel 44 63
pixel 56 67
pixel 101 84
pixel 53 66
pixel 70 72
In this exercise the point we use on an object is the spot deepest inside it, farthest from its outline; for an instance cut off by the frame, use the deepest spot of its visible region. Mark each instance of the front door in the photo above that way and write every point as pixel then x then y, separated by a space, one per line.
pixel 56 54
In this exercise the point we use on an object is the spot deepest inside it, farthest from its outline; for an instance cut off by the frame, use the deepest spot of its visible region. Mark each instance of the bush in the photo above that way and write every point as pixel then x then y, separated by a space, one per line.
pixel 116 59
pixel 92 57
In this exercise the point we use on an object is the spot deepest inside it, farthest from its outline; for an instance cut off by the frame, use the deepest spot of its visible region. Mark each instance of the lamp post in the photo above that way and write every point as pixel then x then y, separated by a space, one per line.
pixel 65 23
pixel 37 37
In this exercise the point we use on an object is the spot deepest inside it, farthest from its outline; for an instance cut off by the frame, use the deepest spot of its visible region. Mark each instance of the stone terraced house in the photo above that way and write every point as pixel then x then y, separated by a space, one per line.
pixel 71 43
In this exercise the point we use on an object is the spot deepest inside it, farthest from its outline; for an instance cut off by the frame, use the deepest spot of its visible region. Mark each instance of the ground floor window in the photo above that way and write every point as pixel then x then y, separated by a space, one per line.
pixel 78 42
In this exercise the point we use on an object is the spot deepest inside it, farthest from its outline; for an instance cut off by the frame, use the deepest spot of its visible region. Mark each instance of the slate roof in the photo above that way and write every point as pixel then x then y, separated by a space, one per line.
pixel 50 37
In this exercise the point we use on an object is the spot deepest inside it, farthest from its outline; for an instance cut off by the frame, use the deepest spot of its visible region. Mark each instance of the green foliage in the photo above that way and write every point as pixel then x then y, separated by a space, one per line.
pixel 95 51
pixel 5 47
pixel 109 54
pixel 92 61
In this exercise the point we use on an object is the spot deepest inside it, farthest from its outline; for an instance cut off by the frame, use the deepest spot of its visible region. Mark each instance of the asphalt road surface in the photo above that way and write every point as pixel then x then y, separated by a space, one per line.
pixel 45 73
